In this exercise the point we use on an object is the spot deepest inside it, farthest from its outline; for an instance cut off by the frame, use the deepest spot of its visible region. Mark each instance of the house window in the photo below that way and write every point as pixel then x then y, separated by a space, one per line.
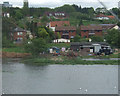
pixel 85 31
pixel 19 33
pixel 72 37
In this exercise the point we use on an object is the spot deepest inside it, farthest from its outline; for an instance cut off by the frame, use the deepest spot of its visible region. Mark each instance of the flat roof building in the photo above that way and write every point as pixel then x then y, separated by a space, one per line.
pixel 6 4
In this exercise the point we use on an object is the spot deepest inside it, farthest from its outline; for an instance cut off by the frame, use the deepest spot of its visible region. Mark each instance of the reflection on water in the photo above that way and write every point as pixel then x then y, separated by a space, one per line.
pixel 19 78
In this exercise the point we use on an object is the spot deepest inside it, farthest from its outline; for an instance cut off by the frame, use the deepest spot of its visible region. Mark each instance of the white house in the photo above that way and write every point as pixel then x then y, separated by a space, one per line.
pixel 61 40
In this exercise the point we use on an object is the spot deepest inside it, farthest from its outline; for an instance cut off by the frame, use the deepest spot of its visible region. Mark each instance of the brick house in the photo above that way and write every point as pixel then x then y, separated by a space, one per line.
pixel 19 34
pixel 91 30
pixel 54 24
pixel 66 32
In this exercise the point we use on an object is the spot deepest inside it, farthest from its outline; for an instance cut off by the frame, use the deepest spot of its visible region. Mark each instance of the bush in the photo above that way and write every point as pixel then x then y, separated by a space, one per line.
pixel 36 47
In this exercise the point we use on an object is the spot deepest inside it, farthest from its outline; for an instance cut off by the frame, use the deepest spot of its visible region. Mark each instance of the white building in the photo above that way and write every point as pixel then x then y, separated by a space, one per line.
pixel 61 40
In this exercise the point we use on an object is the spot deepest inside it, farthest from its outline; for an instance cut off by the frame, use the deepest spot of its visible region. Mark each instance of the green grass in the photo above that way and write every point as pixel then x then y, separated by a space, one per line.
pixel 67 61
pixel 59 45
pixel 14 49
pixel 103 57
pixel 86 22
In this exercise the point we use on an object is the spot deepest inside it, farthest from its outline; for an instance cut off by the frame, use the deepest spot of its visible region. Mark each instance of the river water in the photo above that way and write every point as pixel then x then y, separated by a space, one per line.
pixel 19 78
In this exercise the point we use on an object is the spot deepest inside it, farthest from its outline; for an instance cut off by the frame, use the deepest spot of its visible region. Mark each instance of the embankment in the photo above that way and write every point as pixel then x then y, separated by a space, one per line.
pixel 13 55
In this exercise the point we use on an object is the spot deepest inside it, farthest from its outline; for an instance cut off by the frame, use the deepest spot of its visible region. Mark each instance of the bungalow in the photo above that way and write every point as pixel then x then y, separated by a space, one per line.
pixel 19 34
pixel 86 48
pixel 91 30
pixel 104 17
pixel 54 24
pixel 56 15
pixel 66 32
pixel 61 40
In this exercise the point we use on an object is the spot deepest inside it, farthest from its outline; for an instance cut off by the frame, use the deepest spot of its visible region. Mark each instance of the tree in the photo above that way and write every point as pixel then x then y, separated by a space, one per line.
pixel 97 39
pixel 77 38
pixel 37 46
pixel 42 33
pixel 58 35
pixel 44 20
pixel 18 14
pixel 113 38
pixel 66 8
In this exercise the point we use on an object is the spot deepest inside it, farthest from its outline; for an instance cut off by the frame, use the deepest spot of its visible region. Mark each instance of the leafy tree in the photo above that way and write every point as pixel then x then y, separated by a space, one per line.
pixel 6 43
pixel 44 20
pixel 97 39
pixel 66 8
pixel 58 35
pixel 113 38
pixel 18 14
pixel 77 38
pixel 25 10
pixel 37 46
pixel 42 33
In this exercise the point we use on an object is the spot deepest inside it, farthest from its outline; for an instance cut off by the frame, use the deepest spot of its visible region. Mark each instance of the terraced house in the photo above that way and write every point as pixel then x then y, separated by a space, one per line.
pixel 66 32
pixel 91 30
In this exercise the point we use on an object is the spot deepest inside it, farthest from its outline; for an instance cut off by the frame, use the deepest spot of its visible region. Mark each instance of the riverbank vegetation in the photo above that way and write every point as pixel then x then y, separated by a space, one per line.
pixel 67 61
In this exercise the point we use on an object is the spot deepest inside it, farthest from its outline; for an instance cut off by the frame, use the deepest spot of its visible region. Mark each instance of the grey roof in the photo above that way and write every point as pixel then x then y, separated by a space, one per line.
pixel 19 30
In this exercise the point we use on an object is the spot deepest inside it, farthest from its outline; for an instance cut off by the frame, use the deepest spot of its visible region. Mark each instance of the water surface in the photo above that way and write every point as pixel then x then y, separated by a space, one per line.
pixel 19 78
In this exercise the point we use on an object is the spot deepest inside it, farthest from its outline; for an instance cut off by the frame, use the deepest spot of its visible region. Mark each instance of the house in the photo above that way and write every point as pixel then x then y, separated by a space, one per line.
pixel 66 32
pixel 19 34
pixel 91 30
pixel 87 48
pixel 104 17
pixel 56 15
pixel 106 27
pixel 109 26
pixel 54 24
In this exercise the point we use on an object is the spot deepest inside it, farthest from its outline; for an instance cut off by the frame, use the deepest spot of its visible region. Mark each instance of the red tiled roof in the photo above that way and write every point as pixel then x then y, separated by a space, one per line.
pixel 111 17
pixel 101 15
pixel 59 23
pixel 91 27
pixel 65 28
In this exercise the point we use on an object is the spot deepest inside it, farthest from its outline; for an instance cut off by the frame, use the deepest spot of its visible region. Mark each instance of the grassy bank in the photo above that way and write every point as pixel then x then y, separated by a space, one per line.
pixel 17 49
pixel 104 57
pixel 67 61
